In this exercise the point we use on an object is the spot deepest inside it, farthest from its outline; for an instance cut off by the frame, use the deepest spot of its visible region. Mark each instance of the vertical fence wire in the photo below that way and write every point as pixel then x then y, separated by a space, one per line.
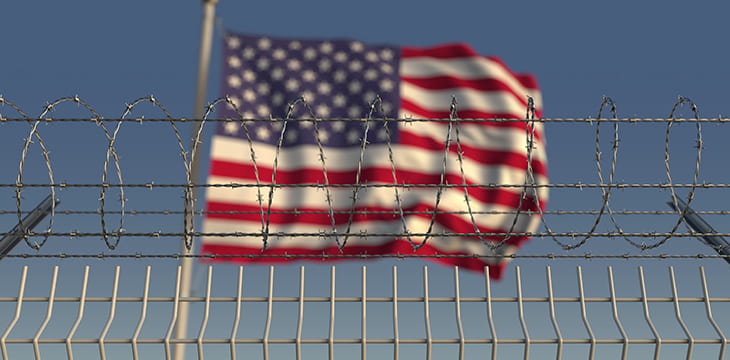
pixel 616 318
pixel 49 313
pixel 237 316
pixel 175 309
pixel 269 312
pixel 521 313
pixel 427 313
pixel 457 312
pixel 143 313
pixel 206 313
pixel 80 316
pixel 363 320
pixel 112 313
pixel 553 318
pixel 685 329
pixel 396 333
pixel 708 308
pixel 647 316
pixel 300 315
pixel 490 318
pixel 584 315
pixel 331 332
pixel 18 308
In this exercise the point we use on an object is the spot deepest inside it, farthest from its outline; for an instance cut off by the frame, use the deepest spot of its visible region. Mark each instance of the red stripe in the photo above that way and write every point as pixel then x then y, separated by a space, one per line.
pixel 450 51
pixel 445 51
pixel 482 156
pixel 243 171
pixel 393 247
pixel 282 216
pixel 423 113
pixel 527 80
pixel 452 82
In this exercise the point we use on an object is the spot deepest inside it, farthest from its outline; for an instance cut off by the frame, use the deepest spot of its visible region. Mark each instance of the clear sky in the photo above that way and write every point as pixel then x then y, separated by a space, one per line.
pixel 642 54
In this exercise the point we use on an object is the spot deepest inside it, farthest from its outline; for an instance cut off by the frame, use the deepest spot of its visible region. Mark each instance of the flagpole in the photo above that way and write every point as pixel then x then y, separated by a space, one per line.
pixel 186 263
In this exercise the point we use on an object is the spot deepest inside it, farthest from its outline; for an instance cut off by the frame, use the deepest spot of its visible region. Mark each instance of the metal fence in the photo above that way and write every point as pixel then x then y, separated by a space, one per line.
pixel 237 319
pixel 131 226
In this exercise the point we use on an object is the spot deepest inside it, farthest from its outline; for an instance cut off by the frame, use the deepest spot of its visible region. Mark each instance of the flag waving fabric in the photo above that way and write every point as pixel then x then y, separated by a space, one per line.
pixel 413 195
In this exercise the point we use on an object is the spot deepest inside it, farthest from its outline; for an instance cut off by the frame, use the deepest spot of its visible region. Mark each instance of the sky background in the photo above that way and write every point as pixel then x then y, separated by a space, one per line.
pixel 642 54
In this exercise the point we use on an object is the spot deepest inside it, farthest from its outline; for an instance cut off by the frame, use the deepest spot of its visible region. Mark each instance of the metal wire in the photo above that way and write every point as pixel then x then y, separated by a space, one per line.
pixel 266 189
pixel 364 256
pixel 159 234
pixel 585 120
pixel 231 298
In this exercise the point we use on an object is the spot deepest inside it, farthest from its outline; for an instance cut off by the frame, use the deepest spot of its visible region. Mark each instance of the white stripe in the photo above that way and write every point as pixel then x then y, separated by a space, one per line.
pixel 405 157
pixel 341 199
pixel 517 111
pixel 468 99
pixel 446 244
pixel 506 139
pixel 469 68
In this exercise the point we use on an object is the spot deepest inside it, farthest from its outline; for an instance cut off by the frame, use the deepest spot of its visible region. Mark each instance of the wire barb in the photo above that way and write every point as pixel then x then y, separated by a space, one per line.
pixel 342 217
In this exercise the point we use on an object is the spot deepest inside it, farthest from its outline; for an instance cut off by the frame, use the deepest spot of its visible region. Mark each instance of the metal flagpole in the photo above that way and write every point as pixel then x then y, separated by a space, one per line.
pixel 186 263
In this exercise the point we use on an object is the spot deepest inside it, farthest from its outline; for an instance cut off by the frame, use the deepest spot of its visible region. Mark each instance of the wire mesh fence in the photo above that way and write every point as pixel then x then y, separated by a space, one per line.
pixel 128 199
pixel 242 315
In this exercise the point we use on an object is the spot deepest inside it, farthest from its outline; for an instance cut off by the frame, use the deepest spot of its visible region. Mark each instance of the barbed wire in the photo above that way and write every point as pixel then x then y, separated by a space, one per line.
pixel 325 256
pixel 394 212
pixel 530 203
pixel 582 120
pixel 579 186
pixel 324 234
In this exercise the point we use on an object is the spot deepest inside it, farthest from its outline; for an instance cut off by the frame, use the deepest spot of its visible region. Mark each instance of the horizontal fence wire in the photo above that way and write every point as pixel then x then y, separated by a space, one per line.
pixel 586 120
pixel 233 319
pixel 117 206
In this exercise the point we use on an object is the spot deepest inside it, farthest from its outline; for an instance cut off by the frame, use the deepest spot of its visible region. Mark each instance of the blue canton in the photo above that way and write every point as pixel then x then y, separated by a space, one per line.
pixel 337 78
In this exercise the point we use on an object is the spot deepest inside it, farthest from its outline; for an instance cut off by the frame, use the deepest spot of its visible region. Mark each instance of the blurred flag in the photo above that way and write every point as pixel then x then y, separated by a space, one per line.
pixel 339 79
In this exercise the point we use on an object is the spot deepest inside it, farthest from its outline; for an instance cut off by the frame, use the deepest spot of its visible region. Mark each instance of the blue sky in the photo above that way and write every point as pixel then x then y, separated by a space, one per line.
pixel 642 54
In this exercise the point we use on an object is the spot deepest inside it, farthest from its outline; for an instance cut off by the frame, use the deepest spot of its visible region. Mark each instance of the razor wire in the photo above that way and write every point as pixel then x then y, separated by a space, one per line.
pixel 528 190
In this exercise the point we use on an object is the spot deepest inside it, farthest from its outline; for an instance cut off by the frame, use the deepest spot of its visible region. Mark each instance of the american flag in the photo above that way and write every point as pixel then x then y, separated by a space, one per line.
pixel 315 209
